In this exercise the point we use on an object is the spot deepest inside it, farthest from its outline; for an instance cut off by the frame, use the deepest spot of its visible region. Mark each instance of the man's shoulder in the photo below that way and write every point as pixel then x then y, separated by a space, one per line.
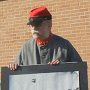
pixel 29 42
pixel 61 41
pixel 59 38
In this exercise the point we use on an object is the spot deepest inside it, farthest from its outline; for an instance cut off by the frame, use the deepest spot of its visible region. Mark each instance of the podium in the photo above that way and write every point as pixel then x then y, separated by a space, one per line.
pixel 65 76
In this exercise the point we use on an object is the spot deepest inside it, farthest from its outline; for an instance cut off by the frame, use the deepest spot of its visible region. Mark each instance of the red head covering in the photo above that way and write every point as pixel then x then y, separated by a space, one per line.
pixel 38 15
pixel 39 12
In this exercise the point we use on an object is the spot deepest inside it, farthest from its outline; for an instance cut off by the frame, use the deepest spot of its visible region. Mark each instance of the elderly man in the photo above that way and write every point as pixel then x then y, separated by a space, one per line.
pixel 45 47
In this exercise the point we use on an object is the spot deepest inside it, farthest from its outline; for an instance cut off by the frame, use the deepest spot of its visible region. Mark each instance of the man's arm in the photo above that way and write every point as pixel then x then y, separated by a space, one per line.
pixel 73 55
pixel 18 62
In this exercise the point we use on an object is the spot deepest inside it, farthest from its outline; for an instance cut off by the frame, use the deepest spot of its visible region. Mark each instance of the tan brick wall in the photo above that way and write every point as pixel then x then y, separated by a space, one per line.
pixel 71 20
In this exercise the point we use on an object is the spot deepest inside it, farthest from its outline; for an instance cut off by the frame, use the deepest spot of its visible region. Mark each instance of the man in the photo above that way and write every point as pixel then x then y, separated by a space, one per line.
pixel 44 47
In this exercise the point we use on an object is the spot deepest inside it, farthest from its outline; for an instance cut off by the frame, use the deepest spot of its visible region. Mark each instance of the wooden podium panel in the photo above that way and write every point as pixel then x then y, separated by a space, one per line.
pixel 66 76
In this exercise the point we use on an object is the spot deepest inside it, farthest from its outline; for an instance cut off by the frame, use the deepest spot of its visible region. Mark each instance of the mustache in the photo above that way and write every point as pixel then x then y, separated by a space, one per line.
pixel 34 31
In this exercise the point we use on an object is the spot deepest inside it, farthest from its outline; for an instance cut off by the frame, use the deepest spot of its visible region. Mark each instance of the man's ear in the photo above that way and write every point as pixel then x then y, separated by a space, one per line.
pixel 50 23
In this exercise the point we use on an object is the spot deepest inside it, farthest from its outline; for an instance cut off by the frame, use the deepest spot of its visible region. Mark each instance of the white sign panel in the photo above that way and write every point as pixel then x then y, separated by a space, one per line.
pixel 45 81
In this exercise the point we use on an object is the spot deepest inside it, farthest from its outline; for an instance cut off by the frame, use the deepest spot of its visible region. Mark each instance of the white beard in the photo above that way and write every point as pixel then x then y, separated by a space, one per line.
pixel 35 33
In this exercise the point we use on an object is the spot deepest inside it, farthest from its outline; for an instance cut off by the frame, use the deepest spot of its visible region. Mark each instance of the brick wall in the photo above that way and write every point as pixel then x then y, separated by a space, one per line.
pixel 71 20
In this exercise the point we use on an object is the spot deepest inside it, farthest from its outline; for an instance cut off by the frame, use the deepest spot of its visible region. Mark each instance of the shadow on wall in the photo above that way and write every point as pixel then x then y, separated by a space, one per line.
pixel 2 0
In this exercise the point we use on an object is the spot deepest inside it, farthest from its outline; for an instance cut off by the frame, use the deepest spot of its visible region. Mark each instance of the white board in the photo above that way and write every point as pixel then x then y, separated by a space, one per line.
pixel 45 81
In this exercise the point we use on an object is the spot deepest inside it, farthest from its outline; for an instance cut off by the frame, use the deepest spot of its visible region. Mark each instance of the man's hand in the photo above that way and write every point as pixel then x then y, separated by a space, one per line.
pixel 54 62
pixel 12 66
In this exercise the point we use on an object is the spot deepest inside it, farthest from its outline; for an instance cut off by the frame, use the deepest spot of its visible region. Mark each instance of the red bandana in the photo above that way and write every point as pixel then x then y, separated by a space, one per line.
pixel 43 42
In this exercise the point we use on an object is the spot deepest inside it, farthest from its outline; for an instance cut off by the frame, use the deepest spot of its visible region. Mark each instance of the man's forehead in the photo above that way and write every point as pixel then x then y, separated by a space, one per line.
pixel 44 23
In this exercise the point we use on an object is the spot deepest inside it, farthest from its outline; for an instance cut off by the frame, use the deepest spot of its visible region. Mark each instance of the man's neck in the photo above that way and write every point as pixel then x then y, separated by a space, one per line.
pixel 44 41
pixel 45 37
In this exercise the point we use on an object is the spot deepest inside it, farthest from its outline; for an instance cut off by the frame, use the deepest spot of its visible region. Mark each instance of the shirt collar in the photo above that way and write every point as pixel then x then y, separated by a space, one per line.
pixel 45 41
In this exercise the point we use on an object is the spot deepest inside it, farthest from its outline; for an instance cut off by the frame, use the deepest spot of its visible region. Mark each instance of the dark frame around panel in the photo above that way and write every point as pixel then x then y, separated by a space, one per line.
pixel 64 67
